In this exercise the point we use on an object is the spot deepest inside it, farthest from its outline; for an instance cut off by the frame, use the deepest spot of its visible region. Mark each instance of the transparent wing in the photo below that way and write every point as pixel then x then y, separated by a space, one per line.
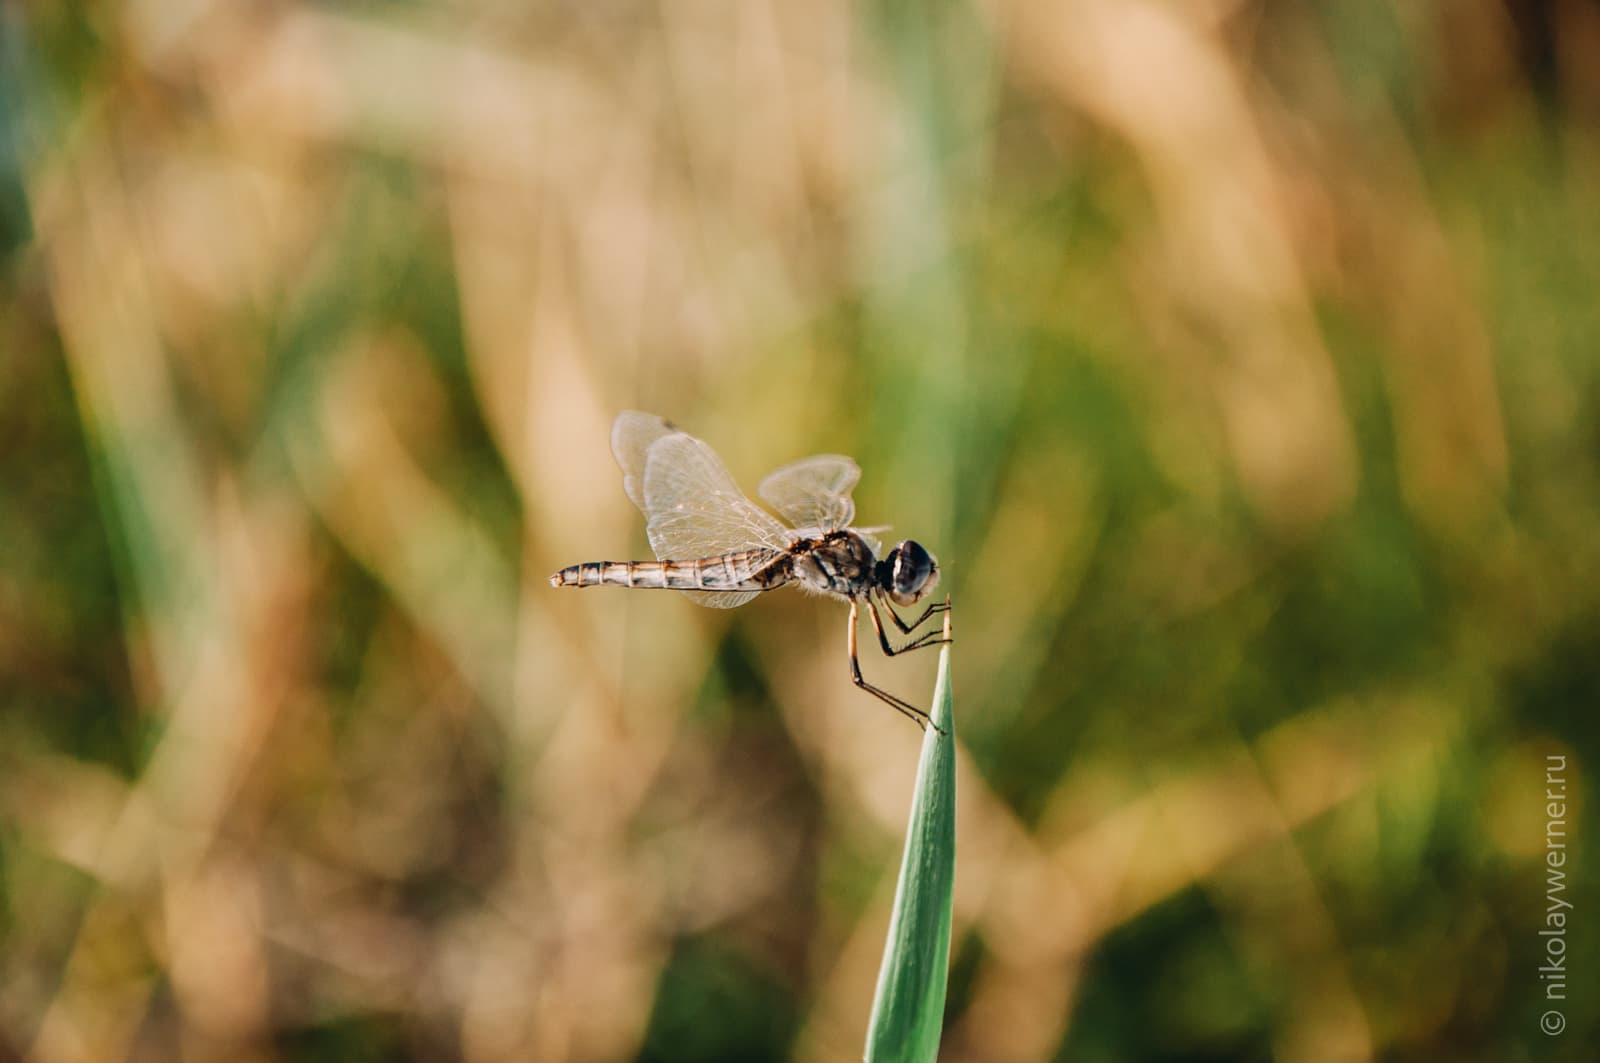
pixel 691 505
pixel 814 493
pixel 631 435
pixel 870 537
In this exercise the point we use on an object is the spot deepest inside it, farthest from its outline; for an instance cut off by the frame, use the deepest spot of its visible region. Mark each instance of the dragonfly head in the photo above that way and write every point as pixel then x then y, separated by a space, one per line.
pixel 908 573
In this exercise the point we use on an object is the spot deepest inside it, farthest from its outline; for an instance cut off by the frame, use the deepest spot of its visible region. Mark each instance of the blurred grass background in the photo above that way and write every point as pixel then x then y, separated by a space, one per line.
pixel 1237 359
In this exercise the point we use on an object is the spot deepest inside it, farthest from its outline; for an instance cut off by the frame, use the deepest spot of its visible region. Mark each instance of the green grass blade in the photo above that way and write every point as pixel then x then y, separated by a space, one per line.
pixel 908 1010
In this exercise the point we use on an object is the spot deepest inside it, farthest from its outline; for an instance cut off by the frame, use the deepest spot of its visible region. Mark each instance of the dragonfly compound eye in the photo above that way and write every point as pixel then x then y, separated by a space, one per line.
pixel 914 573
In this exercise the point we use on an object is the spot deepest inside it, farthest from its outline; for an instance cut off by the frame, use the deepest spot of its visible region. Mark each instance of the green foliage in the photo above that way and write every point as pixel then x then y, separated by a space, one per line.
pixel 908 1009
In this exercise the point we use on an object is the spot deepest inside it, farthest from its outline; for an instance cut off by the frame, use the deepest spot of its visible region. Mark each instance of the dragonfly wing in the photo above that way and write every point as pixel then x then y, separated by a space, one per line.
pixel 632 433
pixel 719 599
pixel 814 492
pixel 692 507
pixel 870 537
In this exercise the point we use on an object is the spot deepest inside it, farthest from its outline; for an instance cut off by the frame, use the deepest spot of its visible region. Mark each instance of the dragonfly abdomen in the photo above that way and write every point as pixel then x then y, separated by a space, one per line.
pixel 735 572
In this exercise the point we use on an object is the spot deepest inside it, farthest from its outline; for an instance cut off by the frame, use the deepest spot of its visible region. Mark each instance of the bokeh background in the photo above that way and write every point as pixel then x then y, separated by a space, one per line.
pixel 1238 359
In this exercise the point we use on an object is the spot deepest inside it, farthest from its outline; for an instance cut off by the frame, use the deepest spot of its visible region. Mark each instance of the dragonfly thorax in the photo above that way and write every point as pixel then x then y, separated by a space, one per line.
pixel 840 563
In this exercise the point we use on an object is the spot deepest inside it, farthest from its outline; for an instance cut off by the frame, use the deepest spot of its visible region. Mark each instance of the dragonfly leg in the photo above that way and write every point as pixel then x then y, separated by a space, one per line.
pixel 926 639
pixel 906 708
pixel 905 628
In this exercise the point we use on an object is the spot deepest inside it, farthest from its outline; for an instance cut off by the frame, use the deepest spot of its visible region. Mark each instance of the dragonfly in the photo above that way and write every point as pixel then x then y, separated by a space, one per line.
pixel 721 549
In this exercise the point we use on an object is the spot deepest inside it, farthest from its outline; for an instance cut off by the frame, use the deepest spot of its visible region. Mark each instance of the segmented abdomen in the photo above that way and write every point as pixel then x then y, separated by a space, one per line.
pixel 752 570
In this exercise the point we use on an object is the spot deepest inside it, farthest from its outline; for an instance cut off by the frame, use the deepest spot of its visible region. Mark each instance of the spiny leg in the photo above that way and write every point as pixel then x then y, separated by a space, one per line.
pixel 903 707
pixel 926 639
pixel 905 628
